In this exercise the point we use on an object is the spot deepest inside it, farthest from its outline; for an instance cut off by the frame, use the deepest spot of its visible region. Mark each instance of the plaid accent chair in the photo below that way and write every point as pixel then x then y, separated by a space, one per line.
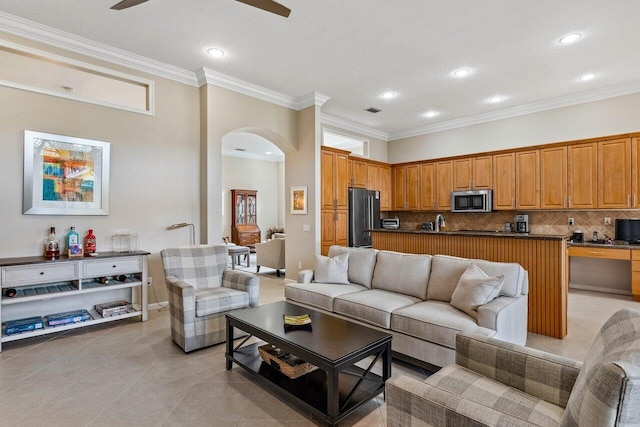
pixel 201 290
pixel 494 383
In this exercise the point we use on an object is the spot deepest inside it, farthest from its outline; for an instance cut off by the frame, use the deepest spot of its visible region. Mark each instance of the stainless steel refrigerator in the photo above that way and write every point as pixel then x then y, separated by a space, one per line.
pixel 364 214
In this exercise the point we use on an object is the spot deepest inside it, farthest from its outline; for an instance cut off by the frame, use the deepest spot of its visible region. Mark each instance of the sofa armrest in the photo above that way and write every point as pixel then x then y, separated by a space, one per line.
pixel 182 299
pixel 507 316
pixel 242 281
pixel 538 373
pixel 305 276
pixel 412 402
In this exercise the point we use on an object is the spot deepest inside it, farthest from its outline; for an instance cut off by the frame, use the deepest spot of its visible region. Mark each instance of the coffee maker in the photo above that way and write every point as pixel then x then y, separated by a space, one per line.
pixel 522 223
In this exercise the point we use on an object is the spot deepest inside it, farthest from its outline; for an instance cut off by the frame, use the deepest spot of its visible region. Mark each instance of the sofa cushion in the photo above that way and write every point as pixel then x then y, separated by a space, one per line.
pixel 446 271
pixel 373 306
pixel 487 401
pixel 319 295
pixel 361 263
pixel 607 390
pixel 474 289
pixel 435 321
pixel 332 269
pixel 402 273
pixel 218 300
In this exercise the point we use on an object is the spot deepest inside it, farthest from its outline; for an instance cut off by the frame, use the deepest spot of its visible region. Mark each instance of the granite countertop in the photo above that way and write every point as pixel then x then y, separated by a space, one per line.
pixel 618 244
pixel 482 233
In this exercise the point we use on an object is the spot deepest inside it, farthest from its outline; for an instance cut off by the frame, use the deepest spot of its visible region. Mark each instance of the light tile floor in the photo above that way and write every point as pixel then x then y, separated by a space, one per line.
pixel 131 374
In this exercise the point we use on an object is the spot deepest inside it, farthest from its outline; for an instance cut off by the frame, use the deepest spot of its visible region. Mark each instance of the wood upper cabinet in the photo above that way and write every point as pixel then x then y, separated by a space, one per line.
pixel 614 174
pixel 334 176
pixel 406 188
pixel 472 173
pixel 553 178
pixel 582 176
pixel 635 172
pixel 528 179
pixel 444 184
pixel 427 186
pixel 482 173
pixel 504 178
pixel 462 170
pixel 373 177
pixel 358 173
pixel 384 179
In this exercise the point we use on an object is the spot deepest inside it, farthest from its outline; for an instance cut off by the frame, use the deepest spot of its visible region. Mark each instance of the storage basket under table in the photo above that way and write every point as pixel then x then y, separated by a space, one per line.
pixel 268 354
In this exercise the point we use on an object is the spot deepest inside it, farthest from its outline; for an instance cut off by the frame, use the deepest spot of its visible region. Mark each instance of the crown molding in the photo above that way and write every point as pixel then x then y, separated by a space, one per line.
pixel 311 99
pixel 41 33
pixel 353 127
pixel 521 110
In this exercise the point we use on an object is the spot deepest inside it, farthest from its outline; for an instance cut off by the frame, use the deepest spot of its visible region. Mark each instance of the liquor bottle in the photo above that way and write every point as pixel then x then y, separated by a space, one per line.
pixel 89 243
pixel 122 278
pixel 72 238
pixel 51 245
pixel 103 280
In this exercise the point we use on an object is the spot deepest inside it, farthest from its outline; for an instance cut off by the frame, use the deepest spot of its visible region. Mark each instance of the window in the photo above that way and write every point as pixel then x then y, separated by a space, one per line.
pixel 358 147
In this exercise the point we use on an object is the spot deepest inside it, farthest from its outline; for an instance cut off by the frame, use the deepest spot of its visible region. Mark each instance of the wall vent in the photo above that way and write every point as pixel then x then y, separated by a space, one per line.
pixel 373 110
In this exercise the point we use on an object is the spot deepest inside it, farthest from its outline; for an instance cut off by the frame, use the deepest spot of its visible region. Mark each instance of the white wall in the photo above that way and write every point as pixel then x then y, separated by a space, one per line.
pixel 252 174
pixel 599 118
pixel 154 173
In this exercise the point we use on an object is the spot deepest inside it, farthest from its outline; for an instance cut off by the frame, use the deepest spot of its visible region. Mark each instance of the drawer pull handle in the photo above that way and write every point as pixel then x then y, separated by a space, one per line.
pixel 42 273
pixel 113 266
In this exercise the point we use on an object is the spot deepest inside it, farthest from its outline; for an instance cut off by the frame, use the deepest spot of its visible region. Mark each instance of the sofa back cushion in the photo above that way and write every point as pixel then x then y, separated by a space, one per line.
pixel 402 273
pixel 361 263
pixel 607 390
pixel 447 270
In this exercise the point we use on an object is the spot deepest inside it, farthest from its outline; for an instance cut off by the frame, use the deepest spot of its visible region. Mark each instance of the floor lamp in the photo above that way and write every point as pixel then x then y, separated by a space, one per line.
pixel 185 224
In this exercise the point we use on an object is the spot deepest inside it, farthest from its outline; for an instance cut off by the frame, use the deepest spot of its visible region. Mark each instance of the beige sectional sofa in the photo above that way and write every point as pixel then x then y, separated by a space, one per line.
pixel 410 295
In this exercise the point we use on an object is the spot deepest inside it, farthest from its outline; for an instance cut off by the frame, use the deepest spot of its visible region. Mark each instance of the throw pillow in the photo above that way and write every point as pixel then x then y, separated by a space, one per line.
pixel 475 288
pixel 332 270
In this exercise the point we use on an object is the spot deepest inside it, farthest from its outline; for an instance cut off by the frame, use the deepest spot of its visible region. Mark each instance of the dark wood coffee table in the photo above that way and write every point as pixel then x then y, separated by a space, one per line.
pixel 334 345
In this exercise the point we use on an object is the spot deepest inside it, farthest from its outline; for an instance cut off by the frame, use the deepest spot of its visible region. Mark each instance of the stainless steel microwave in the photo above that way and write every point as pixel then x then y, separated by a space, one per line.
pixel 472 201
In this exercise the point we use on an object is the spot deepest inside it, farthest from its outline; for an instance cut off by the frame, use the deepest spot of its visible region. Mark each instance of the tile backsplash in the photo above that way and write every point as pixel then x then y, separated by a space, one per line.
pixel 540 222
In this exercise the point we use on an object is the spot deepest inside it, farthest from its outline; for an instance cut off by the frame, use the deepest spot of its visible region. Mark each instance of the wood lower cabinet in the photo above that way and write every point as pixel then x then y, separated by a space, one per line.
pixel 614 174
pixel 334 229
pixel 553 178
pixel 504 178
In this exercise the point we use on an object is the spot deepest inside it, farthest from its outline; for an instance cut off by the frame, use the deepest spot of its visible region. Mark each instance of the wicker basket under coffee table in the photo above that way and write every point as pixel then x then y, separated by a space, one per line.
pixel 337 387
pixel 269 353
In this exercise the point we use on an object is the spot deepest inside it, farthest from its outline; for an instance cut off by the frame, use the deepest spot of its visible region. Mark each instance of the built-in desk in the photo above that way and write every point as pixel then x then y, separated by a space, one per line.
pixel 616 252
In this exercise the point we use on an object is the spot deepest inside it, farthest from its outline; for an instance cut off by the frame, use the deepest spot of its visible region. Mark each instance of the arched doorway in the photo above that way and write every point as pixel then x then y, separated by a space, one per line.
pixel 253 162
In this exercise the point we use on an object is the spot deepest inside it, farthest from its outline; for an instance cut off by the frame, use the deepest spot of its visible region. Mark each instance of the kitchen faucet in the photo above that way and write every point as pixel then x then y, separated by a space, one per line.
pixel 440 224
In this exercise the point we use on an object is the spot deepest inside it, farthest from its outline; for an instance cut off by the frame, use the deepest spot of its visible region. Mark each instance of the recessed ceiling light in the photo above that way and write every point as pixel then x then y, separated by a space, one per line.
pixel 496 99
pixel 570 38
pixel 430 114
pixel 215 52
pixel 587 77
pixel 461 72
pixel 388 95
pixel 268 153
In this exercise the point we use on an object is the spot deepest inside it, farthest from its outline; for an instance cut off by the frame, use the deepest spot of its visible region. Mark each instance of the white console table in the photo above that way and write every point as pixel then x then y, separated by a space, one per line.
pixel 51 286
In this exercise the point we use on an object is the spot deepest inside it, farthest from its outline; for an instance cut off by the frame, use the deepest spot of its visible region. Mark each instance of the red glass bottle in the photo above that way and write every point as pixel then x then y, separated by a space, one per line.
pixel 89 243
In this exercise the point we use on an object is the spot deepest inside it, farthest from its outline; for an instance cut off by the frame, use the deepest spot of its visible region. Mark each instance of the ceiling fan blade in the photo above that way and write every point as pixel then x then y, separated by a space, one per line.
pixel 269 6
pixel 124 4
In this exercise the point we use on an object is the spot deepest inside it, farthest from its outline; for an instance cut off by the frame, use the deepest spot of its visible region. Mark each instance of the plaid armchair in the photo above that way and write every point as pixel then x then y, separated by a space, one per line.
pixel 494 383
pixel 201 290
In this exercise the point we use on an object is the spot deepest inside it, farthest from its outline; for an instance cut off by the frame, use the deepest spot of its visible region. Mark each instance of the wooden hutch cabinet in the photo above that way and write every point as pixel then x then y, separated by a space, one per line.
pixel 244 217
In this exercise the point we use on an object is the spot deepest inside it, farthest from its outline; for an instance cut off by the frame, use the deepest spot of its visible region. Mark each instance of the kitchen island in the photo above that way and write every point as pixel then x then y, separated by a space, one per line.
pixel 543 256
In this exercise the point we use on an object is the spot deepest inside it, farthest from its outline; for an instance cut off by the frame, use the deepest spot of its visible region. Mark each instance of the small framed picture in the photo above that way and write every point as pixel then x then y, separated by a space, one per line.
pixel 299 200
pixel 75 251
